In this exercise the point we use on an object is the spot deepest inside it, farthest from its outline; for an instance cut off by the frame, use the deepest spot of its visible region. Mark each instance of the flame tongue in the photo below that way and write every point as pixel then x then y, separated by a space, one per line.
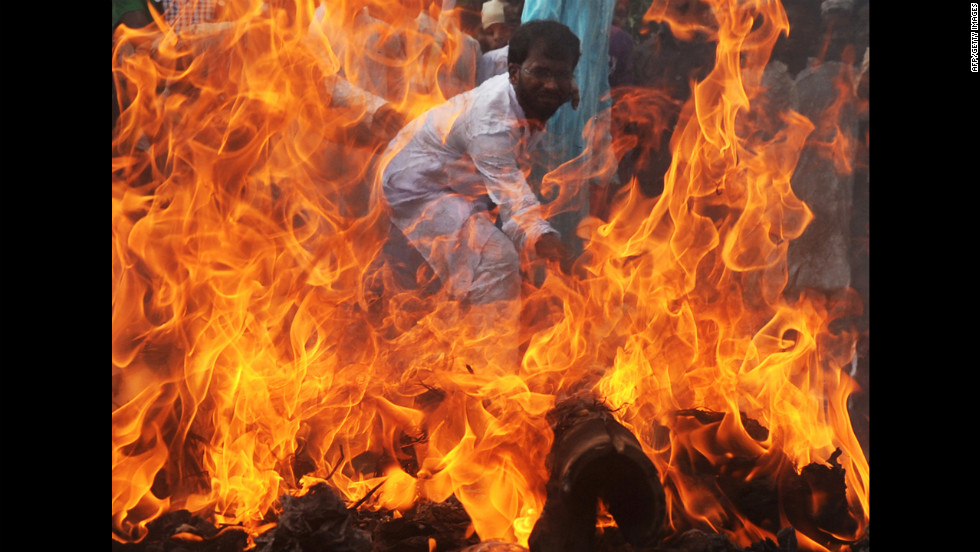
pixel 249 351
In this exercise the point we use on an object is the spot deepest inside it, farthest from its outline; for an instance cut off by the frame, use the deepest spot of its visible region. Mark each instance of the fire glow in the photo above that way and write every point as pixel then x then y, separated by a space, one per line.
pixel 251 356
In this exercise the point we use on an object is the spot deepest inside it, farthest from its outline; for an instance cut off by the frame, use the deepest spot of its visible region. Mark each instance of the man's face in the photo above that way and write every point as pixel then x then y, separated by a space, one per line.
pixel 621 14
pixel 542 84
pixel 497 36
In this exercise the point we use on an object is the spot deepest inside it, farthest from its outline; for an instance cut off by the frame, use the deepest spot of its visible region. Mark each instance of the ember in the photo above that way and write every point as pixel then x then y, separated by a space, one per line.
pixel 281 383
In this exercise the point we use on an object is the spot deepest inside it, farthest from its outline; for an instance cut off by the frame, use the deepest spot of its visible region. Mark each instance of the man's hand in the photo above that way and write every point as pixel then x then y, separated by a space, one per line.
pixel 387 122
pixel 550 247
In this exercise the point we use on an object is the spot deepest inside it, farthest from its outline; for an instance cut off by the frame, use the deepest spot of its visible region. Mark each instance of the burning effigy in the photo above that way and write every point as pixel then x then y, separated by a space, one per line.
pixel 291 348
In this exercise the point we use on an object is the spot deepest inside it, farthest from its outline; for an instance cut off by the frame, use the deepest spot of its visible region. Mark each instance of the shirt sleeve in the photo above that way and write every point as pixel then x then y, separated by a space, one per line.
pixel 520 212
pixel 345 94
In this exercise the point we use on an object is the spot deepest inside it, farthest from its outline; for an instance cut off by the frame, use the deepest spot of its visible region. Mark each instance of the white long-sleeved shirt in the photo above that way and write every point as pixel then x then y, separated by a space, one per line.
pixel 472 146
pixel 492 63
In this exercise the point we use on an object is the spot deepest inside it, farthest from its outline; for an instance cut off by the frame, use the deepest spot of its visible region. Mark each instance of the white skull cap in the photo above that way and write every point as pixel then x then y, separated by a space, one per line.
pixel 493 12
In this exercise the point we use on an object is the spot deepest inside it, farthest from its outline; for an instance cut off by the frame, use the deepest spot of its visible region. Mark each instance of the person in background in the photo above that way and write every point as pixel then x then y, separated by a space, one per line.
pixel 621 16
pixel 454 75
pixel 513 13
pixel 496 31
pixel 469 18
pixel 620 47
pixel 496 36
pixel 838 18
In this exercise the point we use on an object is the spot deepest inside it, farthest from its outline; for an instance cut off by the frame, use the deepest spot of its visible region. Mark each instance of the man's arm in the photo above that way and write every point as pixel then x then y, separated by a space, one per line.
pixel 550 247
pixel 520 212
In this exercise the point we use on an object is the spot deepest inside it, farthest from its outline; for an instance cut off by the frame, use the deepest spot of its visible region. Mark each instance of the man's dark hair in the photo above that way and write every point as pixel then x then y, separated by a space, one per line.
pixel 559 41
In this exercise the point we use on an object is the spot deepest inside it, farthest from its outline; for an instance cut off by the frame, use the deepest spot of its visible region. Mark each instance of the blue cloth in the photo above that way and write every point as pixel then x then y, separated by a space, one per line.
pixel 590 20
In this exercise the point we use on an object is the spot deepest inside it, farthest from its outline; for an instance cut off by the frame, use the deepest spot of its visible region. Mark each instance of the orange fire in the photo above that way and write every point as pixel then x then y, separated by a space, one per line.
pixel 252 354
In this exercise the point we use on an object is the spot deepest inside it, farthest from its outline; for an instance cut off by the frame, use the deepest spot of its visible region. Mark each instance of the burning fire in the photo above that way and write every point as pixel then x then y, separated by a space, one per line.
pixel 253 356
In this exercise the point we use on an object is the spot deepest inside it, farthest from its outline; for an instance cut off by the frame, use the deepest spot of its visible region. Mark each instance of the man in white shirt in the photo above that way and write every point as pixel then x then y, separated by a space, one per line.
pixel 454 179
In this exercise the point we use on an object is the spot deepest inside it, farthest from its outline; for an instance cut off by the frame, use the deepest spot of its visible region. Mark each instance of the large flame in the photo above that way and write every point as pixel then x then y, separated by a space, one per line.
pixel 252 353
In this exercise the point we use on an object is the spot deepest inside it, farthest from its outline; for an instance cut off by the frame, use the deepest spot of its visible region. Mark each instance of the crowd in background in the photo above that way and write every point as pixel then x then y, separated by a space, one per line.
pixel 643 54
pixel 827 35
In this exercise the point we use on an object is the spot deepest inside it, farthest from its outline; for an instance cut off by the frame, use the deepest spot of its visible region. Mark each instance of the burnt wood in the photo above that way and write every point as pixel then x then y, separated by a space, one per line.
pixel 595 457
